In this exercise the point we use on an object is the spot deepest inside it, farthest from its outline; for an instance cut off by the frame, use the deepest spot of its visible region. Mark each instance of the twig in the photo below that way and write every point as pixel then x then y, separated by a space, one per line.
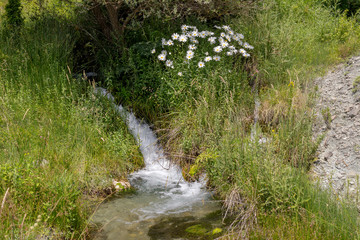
pixel 3 201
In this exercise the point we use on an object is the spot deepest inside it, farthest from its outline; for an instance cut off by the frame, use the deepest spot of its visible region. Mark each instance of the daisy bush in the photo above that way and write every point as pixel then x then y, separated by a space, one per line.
pixel 190 50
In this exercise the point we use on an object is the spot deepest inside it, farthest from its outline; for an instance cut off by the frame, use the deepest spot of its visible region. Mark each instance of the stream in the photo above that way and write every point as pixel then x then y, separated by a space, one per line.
pixel 164 205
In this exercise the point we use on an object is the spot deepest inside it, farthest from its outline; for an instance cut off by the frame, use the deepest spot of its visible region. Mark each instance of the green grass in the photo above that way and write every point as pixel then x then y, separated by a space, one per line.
pixel 59 143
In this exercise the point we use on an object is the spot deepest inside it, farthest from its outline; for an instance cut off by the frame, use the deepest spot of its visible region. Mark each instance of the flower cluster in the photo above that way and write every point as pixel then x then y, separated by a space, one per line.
pixel 227 42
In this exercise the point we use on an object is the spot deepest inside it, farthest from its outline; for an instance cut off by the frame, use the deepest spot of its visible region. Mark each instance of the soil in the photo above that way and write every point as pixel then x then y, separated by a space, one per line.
pixel 337 115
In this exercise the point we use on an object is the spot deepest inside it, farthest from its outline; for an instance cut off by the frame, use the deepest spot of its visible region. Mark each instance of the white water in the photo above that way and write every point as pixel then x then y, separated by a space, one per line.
pixel 161 189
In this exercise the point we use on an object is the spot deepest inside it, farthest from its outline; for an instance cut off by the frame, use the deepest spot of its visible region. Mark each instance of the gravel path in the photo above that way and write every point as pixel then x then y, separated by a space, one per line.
pixel 338 164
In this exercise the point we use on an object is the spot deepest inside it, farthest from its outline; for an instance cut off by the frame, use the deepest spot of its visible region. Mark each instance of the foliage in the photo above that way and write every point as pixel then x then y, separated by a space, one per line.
pixel 58 141
pixel 13 14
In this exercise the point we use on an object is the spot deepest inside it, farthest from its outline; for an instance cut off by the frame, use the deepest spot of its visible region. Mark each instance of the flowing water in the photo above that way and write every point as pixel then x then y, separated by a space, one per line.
pixel 162 195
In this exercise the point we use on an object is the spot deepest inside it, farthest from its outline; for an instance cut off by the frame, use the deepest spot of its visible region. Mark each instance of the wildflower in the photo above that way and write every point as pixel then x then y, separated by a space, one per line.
pixel 222 34
pixel 194 34
pixel 217 27
pixel 210 33
pixel 183 38
pixel 189 54
pixel 163 42
pixel 229 53
pixel 206 53
pixel 180 74
pixel 192 47
pixel 231 32
pixel 203 34
pixel 175 36
pixel 216 58
pixel 246 55
pixel 239 35
pixel 217 49
pixel 242 51
pixel 208 59
pixel 169 63
pixel 162 57
pixel 201 64
pixel 228 38
pixel 170 43
pixel 193 40
pixel 225 27
pixel 224 44
pixel 246 45
pixel 164 52
pixel 212 40
pixel 184 28
pixel 153 51
pixel 236 38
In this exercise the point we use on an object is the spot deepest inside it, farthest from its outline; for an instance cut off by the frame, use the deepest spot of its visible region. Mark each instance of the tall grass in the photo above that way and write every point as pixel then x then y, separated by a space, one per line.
pixel 58 142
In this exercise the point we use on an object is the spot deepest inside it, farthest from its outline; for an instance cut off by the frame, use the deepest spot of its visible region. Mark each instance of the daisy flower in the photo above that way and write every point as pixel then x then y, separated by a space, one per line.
pixel 169 63
pixel 175 36
pixel 222 34
pixel 164 52
pixel 189 54
pixel 217 49
pixel 224 44
pixel 225 27
pixel 212 40
pixel 201 64
pixel 153 51
pixel 192 47
pixel 228 38
pixel 170 43
pixel 203 34
pixel 208 59
pixel 246 45
pixel 239 35
pixel 216 58
pixel 229 53
pixel 195 34
pixel 184 28
pixel 180 74
pixel 162 57
pixel 183 38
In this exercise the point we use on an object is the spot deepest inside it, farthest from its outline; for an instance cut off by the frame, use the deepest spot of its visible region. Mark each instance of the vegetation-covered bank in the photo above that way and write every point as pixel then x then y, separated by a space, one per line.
pixel 205 115
pixel 60 146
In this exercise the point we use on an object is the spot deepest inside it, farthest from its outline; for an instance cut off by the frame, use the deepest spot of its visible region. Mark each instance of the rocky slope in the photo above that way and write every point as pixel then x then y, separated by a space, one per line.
pixel 338 119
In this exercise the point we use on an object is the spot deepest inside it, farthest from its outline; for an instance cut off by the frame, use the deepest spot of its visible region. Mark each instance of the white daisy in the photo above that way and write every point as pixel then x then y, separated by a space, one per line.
pixel 203 34
pixel 192 47
pixel 189 54
pixel 180 74
pixel 222 34
pixel 195 34
pixel 170 43
pixel 208 59
pixel 216 58
pixel 183 38
pixel 153 51
pixel 224 44
pixel 201 64
pixel 169 63
pixel 162 57
pixel 229 53
pixel 212 40
pixel 184 28
pixel 175 36
pixel 217 49
pixel 225 27
pixel 246 45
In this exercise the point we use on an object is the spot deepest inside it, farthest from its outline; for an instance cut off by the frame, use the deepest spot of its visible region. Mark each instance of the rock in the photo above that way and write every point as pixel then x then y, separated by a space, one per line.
pixel 328 155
